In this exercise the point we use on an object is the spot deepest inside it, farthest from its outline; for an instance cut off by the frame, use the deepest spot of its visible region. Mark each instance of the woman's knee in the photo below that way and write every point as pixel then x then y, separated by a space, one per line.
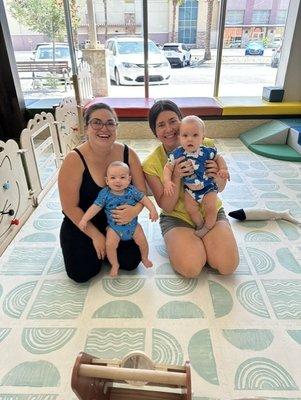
pixel 129 255
pixel 188 269
pixel 82 271
pixel 228 265
pixel 79 277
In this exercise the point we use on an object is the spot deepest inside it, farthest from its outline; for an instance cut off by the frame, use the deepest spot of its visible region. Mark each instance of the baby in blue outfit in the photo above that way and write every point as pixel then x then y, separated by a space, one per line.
pixel 118 192
pixel 199 188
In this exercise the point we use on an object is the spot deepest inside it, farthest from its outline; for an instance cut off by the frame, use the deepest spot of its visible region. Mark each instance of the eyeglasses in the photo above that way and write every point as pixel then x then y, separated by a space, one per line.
pixel 97 124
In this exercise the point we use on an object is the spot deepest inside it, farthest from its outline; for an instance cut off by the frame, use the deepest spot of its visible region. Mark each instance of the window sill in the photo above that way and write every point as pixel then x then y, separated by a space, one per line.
pixel 131 108
pixel 206 107
pixel 256 106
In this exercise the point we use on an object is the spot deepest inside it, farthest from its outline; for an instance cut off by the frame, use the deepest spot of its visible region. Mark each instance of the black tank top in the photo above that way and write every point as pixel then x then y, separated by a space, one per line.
pixel 89 189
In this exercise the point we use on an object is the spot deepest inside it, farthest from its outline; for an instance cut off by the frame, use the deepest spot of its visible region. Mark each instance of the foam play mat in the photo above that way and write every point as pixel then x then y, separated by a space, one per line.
pixel 275 139
pixel 242 333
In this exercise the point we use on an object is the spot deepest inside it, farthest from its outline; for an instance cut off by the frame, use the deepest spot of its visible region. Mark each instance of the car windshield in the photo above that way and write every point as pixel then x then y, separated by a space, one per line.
pixel 170 47
pixel 136 48
pixel 47 53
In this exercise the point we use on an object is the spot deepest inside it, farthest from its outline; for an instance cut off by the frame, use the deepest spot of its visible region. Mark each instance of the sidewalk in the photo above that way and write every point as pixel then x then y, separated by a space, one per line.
pixel 230 56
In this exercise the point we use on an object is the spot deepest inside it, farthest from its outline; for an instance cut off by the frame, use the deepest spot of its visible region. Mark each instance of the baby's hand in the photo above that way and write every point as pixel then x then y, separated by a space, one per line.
pixel 153 215
pixel 82 225
pixel 224 173
pixel 169 188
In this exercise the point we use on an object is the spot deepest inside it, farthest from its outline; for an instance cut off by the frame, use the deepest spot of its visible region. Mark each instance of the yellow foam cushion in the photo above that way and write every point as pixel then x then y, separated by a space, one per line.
pixel 257 106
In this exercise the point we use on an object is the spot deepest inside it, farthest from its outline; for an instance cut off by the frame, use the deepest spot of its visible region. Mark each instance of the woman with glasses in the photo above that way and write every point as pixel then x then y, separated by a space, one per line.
pixel 187 252
pixel 81 177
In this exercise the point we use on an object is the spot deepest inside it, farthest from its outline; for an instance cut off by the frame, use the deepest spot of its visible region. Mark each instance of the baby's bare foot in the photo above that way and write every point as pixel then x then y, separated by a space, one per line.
pixel 114 270
pixel 147 263
pixel 201 232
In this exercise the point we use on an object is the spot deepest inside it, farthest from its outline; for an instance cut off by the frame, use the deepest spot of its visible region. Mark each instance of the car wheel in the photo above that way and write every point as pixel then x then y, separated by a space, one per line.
pixel 117 77
pixel 189 61
pixel 182 63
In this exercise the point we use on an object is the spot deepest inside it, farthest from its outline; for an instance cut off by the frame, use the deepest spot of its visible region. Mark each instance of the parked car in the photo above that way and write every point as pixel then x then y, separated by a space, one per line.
pixel 254 49
pixel 276 42
pixel 276 53
pixel 126 61
pixel 177 54
pixel 48 44
pixel 44 52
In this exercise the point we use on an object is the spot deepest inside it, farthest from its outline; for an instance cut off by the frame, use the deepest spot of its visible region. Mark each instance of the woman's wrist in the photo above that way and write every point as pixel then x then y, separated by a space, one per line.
pixel 176 179
pixel 93 232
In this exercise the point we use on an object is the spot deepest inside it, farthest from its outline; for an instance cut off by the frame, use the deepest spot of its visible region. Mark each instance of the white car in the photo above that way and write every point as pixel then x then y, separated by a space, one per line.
pixel 126 62
pixel 277 42
pixel 44 52
pixel 177 54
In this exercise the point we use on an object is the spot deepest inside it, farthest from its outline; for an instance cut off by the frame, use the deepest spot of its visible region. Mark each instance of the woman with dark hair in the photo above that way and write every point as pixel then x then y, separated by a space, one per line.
pixel 187 252
pixel 81 177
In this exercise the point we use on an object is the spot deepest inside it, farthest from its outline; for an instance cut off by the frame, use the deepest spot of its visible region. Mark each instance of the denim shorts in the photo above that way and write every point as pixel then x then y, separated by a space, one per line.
pixel 168 222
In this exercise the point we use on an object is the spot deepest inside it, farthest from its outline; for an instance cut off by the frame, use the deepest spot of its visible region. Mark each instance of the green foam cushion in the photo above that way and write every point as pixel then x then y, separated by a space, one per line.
pixel 277 151
pixel 266 130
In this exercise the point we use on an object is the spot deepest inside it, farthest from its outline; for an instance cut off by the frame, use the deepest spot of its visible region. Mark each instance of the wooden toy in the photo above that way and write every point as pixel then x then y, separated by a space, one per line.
pixel 135 377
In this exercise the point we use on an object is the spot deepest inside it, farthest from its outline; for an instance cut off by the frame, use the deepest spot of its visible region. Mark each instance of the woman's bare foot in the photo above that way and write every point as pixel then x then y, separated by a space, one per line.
pixel 147 263
pixel 114 270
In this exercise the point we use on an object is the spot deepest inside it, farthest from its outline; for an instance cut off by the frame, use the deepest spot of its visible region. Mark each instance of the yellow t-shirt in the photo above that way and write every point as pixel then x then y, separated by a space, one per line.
pixel 153 165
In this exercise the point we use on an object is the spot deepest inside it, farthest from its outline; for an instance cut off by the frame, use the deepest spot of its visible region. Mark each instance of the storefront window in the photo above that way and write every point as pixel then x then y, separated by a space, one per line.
pixel 252 50
pixel 182 47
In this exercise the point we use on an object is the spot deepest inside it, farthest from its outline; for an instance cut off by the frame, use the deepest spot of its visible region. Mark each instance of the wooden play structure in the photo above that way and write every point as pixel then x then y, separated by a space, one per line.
pixel 29 169
pixel 135 377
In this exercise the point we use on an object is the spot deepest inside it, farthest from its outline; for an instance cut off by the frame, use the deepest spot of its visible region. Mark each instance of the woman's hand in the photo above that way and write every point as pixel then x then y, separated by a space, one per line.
pixel 99 243
pixel 211 168
pixel 183 168
pixel 124 214
pixel 212 172
pixel 224 174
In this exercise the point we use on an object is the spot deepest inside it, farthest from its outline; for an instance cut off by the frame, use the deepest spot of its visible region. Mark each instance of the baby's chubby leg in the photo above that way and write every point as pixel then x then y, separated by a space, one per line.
pixel 209 204
pixel 140 239
pixel 112 242
pixel 192 207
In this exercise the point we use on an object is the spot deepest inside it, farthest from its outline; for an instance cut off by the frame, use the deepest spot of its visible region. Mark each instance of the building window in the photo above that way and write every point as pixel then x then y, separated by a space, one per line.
pixel 188 14
pixel 235 17
pixel 281 17
pixel 261 17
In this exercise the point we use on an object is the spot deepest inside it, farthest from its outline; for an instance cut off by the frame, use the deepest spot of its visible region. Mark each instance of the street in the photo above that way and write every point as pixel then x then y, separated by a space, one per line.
pixel 235 80
pixel 240 75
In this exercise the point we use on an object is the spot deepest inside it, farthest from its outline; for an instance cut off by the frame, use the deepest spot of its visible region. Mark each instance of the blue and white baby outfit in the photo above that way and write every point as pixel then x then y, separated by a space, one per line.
pixel 110 201
pixel 199 177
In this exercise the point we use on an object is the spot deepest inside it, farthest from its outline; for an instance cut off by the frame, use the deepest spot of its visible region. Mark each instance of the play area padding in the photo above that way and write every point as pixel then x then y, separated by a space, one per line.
pixel 275 139
pixel 255 106
pixel 139 107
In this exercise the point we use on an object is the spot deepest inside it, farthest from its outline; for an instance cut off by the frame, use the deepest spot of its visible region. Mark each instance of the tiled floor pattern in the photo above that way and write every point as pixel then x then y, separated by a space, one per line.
pixel 242 333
